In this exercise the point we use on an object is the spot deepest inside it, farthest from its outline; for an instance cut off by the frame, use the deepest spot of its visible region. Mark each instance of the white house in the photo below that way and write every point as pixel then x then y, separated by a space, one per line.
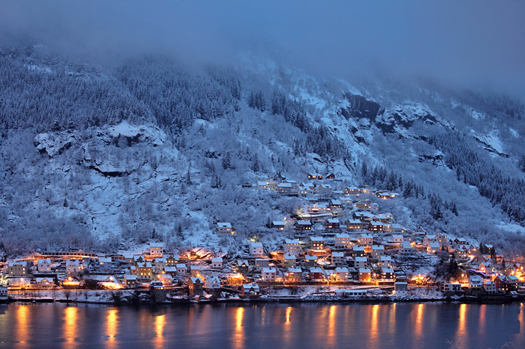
pixel 159 265
pixel 360 262
pixel 212 282
pixel 104 263
pixel 342 240
pixel 341 273
pixel 490 287
pixel 294 275
pixel 397 239
pixel 256 249
pixel 338 258
pixel 156 250
pixel 269 274
pixel 181 269
pixel 216 263
pixel 292 246
pixel 366 239
pixel 44 265
pixel 72 267
pixel 387 274
pixel 262 263
pixel 289 260
pixel 378 250
pixel 385 261
pixel 433 247
pixel 224 228
pixel 284 188
pixel 407 249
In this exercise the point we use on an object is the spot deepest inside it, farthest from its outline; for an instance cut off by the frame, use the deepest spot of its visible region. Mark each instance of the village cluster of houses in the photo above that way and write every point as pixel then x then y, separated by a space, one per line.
pixel 338 238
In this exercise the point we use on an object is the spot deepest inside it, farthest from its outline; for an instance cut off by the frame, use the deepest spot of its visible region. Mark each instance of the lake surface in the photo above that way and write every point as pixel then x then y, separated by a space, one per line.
pixel 273 326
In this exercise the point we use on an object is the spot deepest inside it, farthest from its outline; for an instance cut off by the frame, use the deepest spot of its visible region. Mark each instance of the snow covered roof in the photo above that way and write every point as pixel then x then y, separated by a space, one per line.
pixel 269 270
pixel 250 287
pixel 364 270
pixel 289 256
pixel 342 236
pixel 406 244
pixel 316 270
pixel 338 254
pixel 304 223
pixel 216 260
pixel 309 257
pixel 224 225
pixel 256 244
pixel 284 185
pixel 341 270
pixel 291 241
pixel 317 238
pixel 295 270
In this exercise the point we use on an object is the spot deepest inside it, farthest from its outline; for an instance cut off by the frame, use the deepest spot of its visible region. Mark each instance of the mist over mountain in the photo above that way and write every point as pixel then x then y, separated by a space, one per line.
pixel 124 122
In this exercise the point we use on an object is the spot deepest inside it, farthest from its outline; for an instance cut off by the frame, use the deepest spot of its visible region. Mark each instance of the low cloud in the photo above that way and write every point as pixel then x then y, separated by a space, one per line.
pixel 466 43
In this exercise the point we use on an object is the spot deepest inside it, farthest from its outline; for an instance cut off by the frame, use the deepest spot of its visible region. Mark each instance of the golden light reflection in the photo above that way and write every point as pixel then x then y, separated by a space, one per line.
pixel 374 327
pixel 482 319
pixel 288 313
pixel 418 326
pixel 238 336
pixel 522 322
pixel 111 328
pixel 392 319
pixel 70 319
pixel 462 318
pixel 160 323
pixel 331 326
pixel 22 317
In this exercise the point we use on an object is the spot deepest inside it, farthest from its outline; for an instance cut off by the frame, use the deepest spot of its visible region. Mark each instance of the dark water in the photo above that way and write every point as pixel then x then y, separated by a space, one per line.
pixel 263 326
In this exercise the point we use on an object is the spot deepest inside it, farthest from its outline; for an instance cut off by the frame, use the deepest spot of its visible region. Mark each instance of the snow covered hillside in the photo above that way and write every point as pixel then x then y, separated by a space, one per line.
pixel 99 158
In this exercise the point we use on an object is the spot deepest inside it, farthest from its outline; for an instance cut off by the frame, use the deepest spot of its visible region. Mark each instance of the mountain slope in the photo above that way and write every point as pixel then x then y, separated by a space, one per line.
pixel 99 158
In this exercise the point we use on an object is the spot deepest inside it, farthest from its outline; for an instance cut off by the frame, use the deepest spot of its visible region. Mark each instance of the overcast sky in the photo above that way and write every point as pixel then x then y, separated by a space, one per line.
pixel 470 43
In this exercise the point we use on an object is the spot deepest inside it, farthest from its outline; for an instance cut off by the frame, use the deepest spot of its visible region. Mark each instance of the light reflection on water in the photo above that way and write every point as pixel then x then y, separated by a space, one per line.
pixel 238 337
pixel 111 328
pixel 70 327
pixel 22 328
pixel 160 322
pixel 408 326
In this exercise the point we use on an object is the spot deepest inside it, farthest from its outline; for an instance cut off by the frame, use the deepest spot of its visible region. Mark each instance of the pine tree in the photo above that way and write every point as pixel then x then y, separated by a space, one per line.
pixel 364 171
pixel 226 161
pixel 454 209
pixel 255 164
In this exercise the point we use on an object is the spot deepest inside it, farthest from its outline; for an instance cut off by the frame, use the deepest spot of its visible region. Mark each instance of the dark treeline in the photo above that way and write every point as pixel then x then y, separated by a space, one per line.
pixel 473 170
pixel 391 181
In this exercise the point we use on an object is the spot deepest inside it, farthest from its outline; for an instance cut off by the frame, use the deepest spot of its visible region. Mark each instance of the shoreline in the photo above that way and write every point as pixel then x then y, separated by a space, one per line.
pixel 275 300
